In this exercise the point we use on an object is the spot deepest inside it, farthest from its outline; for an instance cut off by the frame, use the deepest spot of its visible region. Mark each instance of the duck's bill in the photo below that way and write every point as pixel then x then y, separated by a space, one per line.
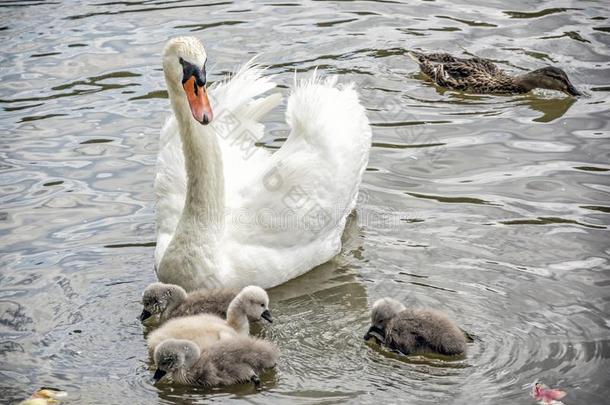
pixel 159 374
pixel 197 97
pixel 144 315
pixel 266 315
pixel 374 333
pixel 573 92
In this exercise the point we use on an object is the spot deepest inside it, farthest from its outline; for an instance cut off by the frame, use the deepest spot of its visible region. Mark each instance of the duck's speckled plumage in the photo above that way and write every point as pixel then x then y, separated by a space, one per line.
pixel 481 76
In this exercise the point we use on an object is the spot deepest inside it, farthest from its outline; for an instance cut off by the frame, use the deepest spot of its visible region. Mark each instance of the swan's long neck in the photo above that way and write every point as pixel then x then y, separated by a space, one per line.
pixel 191 258
pixel 204 202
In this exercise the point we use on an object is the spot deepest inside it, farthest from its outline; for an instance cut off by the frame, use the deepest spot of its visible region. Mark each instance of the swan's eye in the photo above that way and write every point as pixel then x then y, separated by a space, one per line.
pixel 191 70
pixel 263 305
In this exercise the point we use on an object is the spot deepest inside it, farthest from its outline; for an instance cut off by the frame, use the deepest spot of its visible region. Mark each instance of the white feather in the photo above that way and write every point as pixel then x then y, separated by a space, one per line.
pixel 269 236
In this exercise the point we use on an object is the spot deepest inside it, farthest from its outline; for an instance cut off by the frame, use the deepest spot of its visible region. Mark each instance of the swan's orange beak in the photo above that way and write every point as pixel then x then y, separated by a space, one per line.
pixel 197 97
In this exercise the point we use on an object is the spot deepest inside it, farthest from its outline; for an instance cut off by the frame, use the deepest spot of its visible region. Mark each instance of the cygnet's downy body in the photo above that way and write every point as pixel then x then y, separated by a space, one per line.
pixel 411 331
pixel 251 303
pixel 231 361
pixel 172 301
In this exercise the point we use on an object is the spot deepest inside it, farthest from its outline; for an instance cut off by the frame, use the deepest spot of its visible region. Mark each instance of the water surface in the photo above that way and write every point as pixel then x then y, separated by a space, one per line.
pixel 494 209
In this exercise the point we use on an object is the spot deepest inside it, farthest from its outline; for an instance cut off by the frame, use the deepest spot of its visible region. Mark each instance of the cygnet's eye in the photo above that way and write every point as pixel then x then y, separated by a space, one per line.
pixel 263 305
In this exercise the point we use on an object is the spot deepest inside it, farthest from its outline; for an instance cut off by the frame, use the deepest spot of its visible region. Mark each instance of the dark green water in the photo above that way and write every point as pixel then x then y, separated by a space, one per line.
pixel 494 209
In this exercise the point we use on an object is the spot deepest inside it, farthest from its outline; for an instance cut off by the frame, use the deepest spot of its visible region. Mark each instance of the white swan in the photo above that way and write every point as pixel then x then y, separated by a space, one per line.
pixel 229 213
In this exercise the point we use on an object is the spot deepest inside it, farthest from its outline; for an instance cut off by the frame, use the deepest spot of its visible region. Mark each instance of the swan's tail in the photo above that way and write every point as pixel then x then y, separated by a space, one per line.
pixel 326 113
pixel 330 119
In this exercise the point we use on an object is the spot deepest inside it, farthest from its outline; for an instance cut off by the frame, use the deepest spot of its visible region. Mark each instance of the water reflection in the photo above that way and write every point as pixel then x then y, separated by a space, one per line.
pixel 491 208
pixel 551 109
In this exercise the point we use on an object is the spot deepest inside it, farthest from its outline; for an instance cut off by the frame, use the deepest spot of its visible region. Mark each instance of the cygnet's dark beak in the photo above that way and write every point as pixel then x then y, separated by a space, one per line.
pixel 159 375
pixel 266 315
pixel 571 90
pixel 255 380
pixel 144 315
pixel 376 333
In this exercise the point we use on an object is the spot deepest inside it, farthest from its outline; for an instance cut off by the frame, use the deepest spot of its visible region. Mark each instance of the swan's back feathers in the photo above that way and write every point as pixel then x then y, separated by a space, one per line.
pixel 319 110
pixel 301 197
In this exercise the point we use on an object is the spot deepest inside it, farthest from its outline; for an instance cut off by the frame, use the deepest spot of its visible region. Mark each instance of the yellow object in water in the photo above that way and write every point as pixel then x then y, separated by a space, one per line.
pixel 45 396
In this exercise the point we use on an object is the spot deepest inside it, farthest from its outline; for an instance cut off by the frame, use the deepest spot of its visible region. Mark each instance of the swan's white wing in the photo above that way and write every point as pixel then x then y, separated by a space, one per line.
pixel 237 110
pixel 292 211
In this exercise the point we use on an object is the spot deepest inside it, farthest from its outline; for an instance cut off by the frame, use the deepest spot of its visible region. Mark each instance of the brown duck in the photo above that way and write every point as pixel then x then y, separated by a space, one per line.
pixel 476 75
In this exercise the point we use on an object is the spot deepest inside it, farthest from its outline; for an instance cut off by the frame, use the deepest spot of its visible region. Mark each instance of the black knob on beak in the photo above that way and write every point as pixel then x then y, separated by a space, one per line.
pixel 159 375
pixel 144 315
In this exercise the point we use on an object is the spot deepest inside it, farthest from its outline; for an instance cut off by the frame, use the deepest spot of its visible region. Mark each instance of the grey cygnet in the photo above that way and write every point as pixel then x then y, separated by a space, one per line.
pixel 229 361
pixel 252 302
pixel 171 301
pixel 412 331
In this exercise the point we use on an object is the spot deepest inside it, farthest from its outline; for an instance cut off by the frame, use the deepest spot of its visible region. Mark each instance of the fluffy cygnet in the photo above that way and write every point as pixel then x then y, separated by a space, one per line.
pixel 172 301
pixel 251 303
pixel 415 330
pixel 226 362
pixel 202 329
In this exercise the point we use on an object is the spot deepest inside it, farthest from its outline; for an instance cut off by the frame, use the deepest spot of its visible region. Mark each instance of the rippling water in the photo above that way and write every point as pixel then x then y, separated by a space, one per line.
pixel 492 208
